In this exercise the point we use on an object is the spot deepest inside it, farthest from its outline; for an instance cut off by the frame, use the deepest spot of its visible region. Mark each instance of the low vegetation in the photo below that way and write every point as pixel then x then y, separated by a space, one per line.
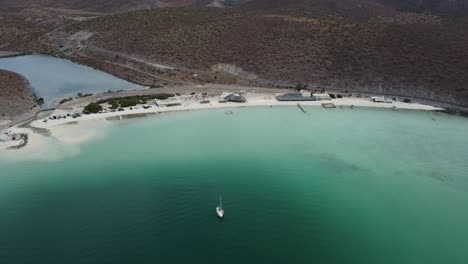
pixel 155 85
pixel 40 101
pixel 129 101
pixel 65 100
pixel 92 108
pixel 80 95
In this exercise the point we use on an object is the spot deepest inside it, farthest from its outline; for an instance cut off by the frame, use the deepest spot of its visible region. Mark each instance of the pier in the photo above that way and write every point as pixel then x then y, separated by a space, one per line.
pixel 302 108
pixel 328 105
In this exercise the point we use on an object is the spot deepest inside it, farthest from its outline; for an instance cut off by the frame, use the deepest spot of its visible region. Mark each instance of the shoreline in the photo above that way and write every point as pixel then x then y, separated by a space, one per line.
pixel 75 131
pixel 253 100
pixel 11 54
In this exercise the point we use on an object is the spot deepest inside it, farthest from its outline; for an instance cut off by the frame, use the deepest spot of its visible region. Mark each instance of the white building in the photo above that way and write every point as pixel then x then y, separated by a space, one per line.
pixel 160 103
pixel 323 96
pixel 306 93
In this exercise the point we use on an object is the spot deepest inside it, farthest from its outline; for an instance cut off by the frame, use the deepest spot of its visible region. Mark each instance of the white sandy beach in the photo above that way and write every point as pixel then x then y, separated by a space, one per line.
pixel 253 99
pixel 74 131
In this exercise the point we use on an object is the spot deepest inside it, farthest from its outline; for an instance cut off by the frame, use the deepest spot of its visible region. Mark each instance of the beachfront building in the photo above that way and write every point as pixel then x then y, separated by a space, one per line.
pixel 294 97
pixel 168 102
pixel 306 93
pixel 236 98
pixel 377 99
pixel 321 96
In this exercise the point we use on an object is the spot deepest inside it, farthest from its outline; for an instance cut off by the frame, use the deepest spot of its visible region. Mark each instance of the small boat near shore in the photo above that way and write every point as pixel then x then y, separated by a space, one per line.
pixel 219 209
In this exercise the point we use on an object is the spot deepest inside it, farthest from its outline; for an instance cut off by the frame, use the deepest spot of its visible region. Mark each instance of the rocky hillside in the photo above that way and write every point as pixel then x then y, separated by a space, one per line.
pixel 15 95
pixel 400 53
pixel 446 7
pixel 116 5
pixel 440 7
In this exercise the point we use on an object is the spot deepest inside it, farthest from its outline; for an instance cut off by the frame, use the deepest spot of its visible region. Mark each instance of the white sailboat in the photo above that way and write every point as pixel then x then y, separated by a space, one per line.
pixel 219 209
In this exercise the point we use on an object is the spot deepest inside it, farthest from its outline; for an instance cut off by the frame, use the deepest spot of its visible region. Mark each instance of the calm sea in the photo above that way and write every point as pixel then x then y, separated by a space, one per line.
pixel 329 186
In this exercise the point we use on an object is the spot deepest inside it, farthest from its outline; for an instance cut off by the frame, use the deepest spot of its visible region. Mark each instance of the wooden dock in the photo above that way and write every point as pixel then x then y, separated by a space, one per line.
pixel 302 108
pixel 328 105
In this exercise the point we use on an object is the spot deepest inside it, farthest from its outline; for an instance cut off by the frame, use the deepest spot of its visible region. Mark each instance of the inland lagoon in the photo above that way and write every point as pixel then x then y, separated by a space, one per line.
pixel 329 186
pixel 54 79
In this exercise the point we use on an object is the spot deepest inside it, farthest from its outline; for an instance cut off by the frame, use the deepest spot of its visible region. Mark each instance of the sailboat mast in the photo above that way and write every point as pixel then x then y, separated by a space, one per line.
pixel 220 202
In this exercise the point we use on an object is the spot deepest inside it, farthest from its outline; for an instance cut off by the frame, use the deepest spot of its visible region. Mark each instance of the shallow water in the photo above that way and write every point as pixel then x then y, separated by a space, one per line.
pixel 54 79
pixel 329 186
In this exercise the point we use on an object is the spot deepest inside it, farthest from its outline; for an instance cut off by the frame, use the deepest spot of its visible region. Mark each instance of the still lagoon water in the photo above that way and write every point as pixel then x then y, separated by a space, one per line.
pixel 54 79
pixel 330 186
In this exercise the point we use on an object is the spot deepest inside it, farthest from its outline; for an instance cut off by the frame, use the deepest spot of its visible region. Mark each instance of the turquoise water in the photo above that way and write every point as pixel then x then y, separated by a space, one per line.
pixel 330 186
pixel 54 79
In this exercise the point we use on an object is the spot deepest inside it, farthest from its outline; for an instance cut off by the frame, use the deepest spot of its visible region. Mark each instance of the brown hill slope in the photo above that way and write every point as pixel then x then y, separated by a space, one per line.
pixel 106 5
pixel 447 7
pixel 355 8
pixel 15 95
pixel 405 54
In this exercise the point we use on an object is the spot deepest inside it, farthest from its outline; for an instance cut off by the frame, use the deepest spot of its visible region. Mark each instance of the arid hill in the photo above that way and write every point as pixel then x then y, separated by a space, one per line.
pixel 15 95
pixel 116 5
pixel 446 7
pixel 353 8
pixel 401 54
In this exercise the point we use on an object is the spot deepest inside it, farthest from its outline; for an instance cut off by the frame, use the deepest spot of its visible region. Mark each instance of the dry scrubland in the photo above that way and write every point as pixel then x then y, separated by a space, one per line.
pixel 15 95
pixel 25 30
pixel 19 33
pixel 452 7
pixel 110 5
pixel 380 50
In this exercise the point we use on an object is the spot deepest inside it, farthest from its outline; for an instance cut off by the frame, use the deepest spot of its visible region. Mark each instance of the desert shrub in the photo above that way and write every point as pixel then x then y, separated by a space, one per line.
pixel 133 100
pixel 339 96
pixel 301 86
pixel 332 96
pixel 79 95
pixel 40 101
pixel 129 101
pixel 65 100
pixel 155 85
pixel 114 103
pixel 407 100
pixel 163 96
pixel 92 108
